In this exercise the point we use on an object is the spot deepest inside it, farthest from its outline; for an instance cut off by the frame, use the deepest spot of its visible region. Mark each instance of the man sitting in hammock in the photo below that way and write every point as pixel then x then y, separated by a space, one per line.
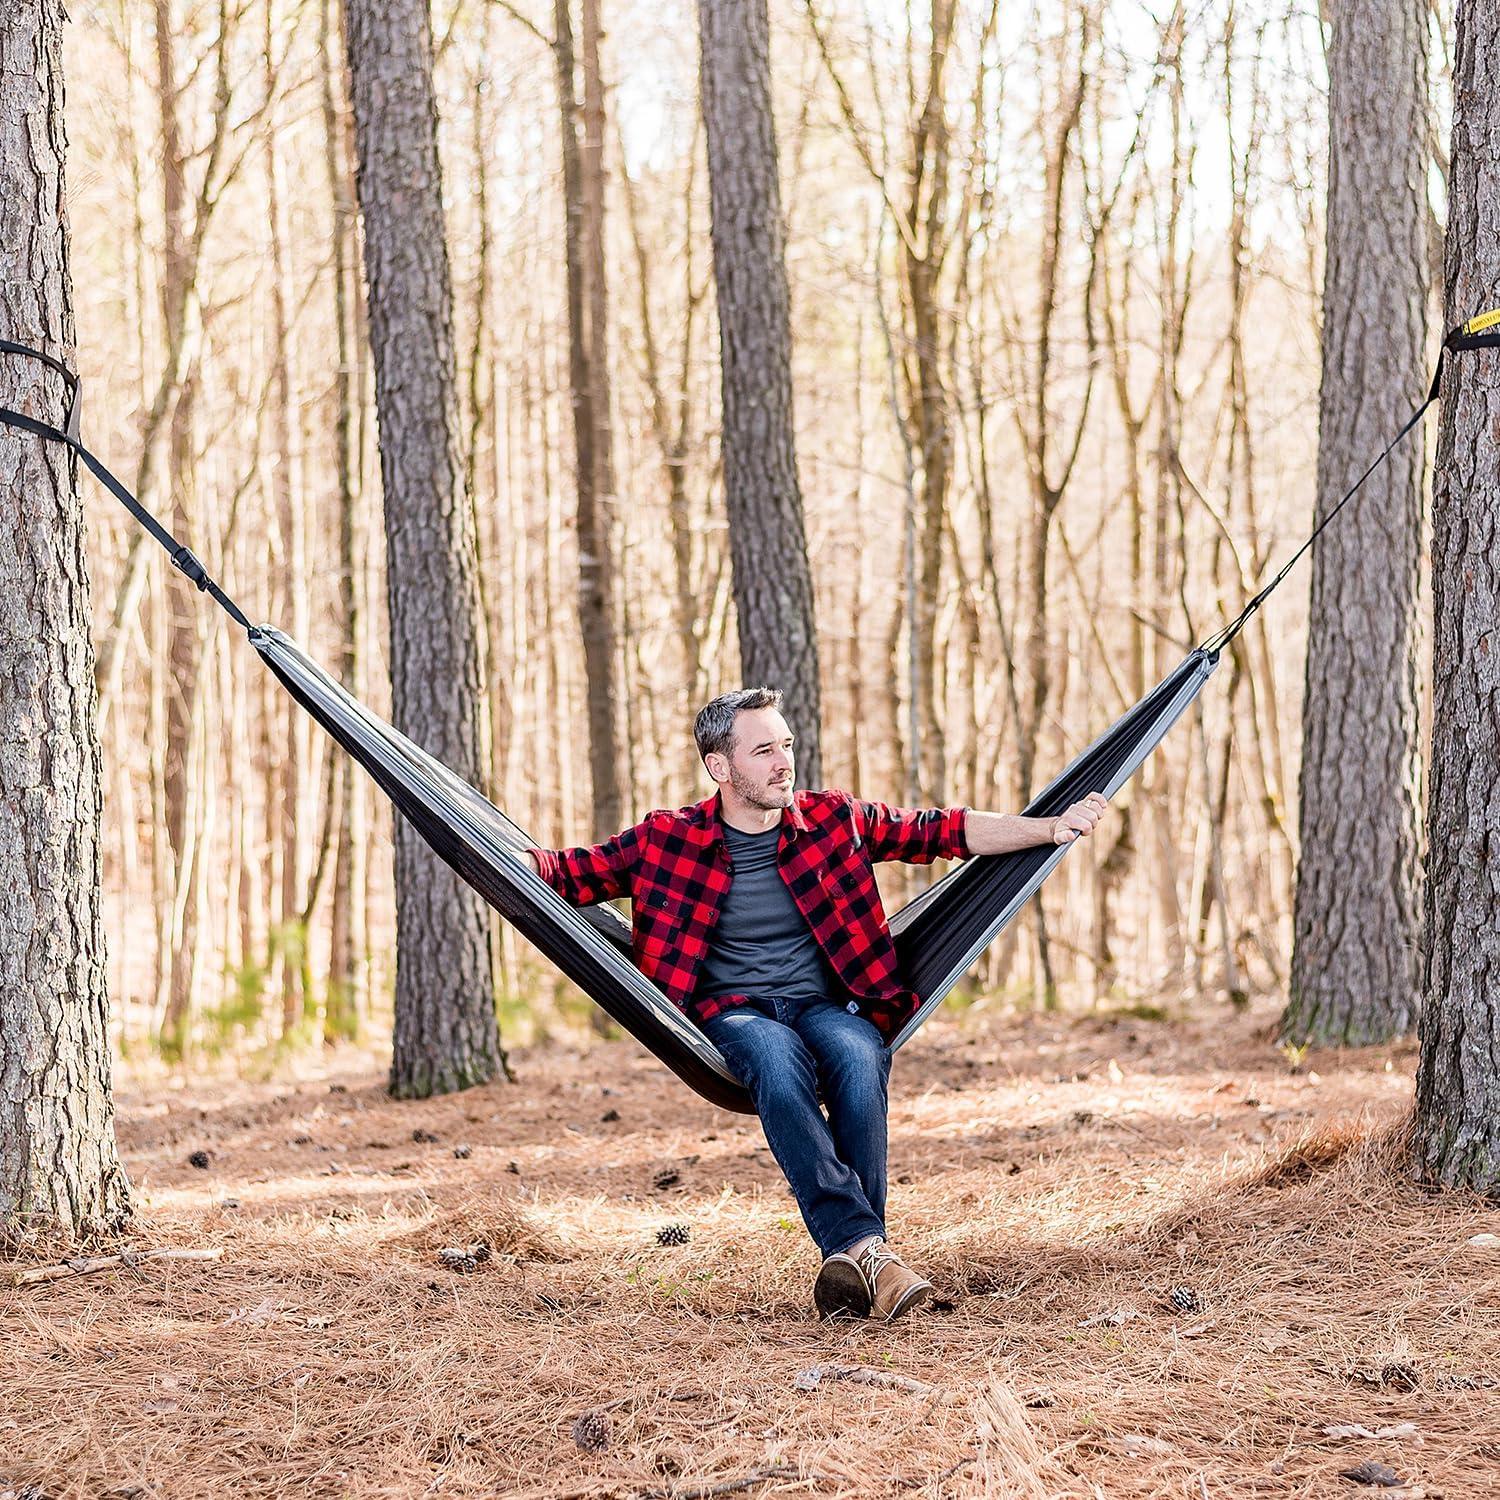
pixel 756 912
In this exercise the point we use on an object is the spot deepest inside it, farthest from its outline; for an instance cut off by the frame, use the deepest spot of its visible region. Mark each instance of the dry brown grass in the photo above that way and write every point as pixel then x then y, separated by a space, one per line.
pixel 1057 1181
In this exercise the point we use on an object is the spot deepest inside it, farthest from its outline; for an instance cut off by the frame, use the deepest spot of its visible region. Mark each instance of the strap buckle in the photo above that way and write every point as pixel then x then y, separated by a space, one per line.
pixel 186 561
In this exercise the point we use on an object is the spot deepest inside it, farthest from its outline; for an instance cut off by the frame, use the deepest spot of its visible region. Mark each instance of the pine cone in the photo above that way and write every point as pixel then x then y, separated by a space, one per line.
pixel 465 1260
pixel 1184 1299
pixel 591 1431
pixel 672 1234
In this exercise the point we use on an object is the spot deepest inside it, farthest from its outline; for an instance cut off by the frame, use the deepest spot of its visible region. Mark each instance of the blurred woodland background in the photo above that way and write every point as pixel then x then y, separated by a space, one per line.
pixel 1055 275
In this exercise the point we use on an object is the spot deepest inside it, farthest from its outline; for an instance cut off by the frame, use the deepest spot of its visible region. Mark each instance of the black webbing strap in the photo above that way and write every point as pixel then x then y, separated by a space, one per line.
pixel 1482 332
pixel 183 558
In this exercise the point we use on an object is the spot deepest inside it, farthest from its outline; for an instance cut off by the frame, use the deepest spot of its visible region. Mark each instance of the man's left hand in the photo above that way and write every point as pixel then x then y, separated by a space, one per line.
pixel 1080 820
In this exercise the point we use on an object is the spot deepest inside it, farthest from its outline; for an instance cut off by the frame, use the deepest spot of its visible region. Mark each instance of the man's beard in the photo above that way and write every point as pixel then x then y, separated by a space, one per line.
pixel 756 796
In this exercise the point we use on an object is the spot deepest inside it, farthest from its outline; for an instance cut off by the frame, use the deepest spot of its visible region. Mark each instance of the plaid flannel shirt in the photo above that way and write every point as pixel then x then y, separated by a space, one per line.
pixel 675 867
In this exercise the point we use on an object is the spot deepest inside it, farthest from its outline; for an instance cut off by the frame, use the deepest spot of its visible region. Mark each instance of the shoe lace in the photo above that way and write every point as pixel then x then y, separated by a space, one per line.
pixel 876 1259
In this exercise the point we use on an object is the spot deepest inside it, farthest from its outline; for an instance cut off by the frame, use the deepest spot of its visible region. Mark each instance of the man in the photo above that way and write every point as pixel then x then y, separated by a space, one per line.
pixel 757 913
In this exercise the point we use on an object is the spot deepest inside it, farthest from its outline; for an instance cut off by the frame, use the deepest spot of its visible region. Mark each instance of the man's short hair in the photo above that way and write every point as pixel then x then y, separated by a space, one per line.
pixel 714 727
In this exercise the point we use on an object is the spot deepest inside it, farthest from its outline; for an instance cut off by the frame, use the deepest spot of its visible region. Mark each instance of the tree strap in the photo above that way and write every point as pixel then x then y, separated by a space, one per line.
pixel 1481 332
pixel 183 558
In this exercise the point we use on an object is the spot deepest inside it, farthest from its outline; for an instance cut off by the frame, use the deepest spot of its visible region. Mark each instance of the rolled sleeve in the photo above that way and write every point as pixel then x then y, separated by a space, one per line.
pixel 593 872
pixel 916 835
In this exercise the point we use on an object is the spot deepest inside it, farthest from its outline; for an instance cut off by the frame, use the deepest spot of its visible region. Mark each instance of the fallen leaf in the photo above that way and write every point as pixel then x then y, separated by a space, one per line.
pixel 1111 1319
pixel 1400 1432
pixel 1137 1445
pixel 254 1316
pixel 812 1377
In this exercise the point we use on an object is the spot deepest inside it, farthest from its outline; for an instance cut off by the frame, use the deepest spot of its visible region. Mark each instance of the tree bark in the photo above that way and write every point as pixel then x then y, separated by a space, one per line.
pixel 291 501
pixel 768 543
pixel 924 251
pixel 348 959
pixel 446 1036
pixel 1357 911
pixel 59 1170
pixel 588 339
pixel 1457 1122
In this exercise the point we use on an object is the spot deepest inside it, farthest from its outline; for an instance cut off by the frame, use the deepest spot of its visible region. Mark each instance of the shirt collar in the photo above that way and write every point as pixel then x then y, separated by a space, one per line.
pixel 707 816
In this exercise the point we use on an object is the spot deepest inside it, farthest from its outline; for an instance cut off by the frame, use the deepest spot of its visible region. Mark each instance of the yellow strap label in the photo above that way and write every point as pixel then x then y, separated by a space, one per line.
pixel 1484 321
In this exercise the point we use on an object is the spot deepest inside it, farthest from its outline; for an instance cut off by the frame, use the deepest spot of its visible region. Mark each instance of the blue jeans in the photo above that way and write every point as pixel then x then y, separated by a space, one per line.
pixel 785 1052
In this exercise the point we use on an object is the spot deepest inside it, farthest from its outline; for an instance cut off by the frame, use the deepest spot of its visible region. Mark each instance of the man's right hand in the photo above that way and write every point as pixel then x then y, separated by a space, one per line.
pixel 1079 820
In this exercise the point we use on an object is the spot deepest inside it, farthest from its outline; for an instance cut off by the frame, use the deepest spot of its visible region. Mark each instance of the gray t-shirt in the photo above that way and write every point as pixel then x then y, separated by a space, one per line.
pixel 762 946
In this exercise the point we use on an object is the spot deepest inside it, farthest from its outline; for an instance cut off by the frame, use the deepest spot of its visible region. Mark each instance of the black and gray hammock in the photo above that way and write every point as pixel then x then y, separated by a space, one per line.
pixel 938 935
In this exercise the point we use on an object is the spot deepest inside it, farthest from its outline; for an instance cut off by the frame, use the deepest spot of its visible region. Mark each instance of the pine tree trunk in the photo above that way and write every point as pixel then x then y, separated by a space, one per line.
pixel 59 1171
pixel 1357 910
pixel 1457 1124
pixel 348 958
pixel 292 502
pixel 927 396
pixel 446 1036
pixel 772 578
pixel 583 237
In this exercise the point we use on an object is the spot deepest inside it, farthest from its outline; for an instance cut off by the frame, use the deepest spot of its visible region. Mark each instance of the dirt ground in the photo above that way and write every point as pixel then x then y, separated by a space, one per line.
pixel 1057 1179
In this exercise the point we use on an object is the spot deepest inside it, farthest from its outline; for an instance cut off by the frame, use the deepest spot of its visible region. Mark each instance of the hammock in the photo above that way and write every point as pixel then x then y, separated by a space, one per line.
pixel 938 935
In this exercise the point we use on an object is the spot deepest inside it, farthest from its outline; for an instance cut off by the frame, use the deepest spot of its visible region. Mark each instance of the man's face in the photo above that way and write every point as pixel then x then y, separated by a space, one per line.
pixel 760 767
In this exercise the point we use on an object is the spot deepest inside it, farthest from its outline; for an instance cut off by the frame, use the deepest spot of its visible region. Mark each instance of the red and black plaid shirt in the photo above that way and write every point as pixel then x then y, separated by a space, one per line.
pixel 675 867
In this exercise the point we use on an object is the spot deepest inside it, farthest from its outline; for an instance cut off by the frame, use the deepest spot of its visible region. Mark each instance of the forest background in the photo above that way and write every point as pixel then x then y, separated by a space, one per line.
pixel 1056 411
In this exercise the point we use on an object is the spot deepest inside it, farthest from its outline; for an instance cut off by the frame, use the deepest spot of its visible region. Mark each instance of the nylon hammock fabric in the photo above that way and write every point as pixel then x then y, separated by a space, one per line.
pixel 938 935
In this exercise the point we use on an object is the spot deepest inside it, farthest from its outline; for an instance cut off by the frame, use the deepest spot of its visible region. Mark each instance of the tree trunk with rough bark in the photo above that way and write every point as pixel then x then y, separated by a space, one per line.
pixel 1457 1123
pixel 60 1174
pixel 446 1035
pixel 768 542
pixel 924 251
pixel 1357 909
pixel 588 340
pixel 348 958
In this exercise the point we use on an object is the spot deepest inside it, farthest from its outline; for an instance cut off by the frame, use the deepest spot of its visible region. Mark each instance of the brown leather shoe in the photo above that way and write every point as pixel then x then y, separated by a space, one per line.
pixel 841 1290
pixel 894 1288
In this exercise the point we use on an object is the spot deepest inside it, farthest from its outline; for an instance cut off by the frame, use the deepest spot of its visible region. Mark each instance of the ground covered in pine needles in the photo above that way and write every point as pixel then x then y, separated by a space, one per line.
pixel 468 1296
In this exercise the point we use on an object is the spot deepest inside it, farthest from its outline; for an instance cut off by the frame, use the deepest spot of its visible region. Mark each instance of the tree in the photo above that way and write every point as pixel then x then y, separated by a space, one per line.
pixel 348 965
pixel 588 372
pixel 446 1036
pixel 59 1170
pixel 768 543
pixel 1457 1124
pixel 1357 909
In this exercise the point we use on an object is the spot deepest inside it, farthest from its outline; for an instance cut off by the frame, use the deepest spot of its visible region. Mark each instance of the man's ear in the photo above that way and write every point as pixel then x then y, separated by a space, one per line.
pixel 717 766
